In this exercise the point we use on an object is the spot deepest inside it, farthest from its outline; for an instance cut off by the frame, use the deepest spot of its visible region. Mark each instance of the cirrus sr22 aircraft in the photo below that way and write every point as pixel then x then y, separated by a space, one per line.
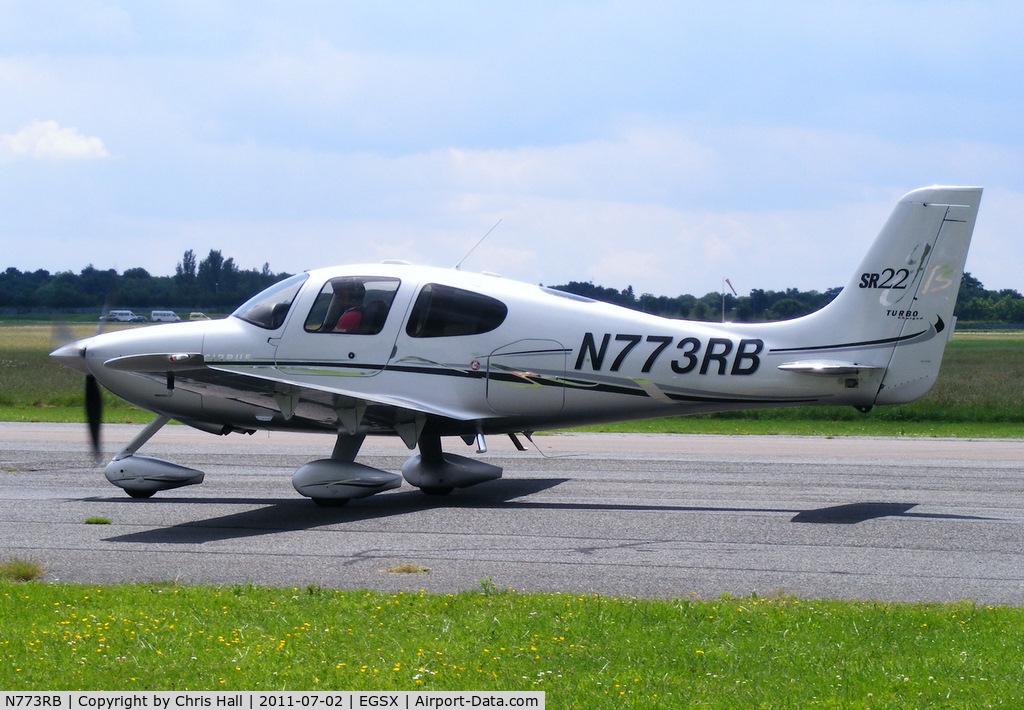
pixel 428 353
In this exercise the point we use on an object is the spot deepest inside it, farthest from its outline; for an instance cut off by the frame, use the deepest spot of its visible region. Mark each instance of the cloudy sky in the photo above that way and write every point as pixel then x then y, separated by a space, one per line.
pixel 663 145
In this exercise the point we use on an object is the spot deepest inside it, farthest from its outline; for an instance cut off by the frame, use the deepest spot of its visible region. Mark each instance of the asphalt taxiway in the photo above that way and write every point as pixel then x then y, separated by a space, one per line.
pixel 625 515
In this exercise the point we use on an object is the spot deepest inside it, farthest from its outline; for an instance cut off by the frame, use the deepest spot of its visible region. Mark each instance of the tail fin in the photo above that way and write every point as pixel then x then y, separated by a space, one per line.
pixel 896 312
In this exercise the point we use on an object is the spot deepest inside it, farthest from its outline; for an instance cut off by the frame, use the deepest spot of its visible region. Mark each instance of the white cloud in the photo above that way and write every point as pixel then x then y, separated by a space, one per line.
pixel 46 140
pixel 641 164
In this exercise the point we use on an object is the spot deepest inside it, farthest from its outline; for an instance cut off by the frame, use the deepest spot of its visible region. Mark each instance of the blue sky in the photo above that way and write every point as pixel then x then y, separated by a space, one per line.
pixel 663 145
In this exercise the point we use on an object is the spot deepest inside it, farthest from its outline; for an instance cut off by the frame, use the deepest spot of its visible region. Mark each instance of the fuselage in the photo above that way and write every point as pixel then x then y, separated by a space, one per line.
pixel 473 353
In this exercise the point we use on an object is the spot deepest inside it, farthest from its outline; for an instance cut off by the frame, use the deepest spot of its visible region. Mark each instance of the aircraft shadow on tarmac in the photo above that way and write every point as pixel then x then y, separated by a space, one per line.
pixel 296 514
pixel 299 514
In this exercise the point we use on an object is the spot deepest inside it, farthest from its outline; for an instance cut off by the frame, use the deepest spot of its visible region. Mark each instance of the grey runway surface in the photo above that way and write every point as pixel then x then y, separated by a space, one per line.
pixel 626 515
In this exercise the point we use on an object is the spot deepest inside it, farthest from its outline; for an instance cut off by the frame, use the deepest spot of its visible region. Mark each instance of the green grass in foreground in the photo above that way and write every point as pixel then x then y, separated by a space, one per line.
pixel 584 651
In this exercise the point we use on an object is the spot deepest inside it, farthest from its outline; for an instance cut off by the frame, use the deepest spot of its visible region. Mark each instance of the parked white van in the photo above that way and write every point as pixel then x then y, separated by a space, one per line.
pixel 164 317
pixel 123 316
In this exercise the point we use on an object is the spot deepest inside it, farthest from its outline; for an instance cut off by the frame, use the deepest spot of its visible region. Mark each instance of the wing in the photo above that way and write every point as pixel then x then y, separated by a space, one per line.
pixel 253 396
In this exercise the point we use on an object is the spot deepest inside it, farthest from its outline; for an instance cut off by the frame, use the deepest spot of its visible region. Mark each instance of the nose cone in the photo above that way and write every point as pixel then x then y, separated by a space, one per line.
pixel 73 355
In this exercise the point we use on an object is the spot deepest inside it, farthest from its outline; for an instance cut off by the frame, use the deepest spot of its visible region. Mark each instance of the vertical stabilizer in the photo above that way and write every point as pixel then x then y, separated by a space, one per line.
pixel 916 358
pixel 896 312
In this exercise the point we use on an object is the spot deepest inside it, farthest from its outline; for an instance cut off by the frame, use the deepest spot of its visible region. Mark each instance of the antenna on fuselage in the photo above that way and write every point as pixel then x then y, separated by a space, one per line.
pixel 478 244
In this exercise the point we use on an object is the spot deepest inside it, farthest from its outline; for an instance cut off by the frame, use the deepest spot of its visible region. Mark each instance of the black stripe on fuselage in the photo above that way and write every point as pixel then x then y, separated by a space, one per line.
pixel 939 326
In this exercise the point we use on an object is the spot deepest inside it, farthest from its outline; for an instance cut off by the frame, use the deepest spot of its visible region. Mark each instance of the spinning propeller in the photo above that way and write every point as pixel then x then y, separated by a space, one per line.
pixel 73 353
pixel 93 413
pixel 93 397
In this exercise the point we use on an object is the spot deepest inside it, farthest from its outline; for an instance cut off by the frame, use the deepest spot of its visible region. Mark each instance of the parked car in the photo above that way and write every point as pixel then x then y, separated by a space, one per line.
pixel 164 317
pixel 122 316
pixel 196 315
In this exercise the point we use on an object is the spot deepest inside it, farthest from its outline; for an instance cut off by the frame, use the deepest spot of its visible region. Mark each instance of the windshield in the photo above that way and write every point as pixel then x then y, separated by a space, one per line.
pixel 268 308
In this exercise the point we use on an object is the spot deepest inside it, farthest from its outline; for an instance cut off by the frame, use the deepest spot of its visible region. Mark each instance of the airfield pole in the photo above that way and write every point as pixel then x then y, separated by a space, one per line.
pixel 724 282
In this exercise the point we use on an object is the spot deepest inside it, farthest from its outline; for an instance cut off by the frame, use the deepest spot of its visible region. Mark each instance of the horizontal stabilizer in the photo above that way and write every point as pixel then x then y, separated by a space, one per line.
pixel 826 367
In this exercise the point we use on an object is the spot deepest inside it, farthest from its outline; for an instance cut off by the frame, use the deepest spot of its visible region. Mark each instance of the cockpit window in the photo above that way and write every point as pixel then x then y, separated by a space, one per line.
pixel 268 308
pixel 352 304
pixel 446 311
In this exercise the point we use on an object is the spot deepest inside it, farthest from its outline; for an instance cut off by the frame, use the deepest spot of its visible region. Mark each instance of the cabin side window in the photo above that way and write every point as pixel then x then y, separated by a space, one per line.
pixel 444 311
pixel 356 305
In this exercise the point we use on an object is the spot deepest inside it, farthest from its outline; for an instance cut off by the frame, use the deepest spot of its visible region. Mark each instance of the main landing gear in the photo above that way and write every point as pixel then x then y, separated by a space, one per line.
pixel 336 480
pixel 328 482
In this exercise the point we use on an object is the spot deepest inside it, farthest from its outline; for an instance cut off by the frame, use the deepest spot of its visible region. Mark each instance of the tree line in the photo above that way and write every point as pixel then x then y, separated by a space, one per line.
pixel 975 304
pixel 213 284
pixel 218 284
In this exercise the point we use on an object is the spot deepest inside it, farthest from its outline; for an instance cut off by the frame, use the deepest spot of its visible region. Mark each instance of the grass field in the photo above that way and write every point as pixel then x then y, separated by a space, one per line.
pixel 979 393
pixel 33 387
pixel 583 651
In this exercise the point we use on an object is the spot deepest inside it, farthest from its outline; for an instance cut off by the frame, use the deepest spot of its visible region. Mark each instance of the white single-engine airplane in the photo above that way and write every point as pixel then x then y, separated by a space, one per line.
pixel 426 353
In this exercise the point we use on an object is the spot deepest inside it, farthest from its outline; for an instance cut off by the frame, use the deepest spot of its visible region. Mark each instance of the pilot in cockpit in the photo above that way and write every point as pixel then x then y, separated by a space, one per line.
pixel 346 307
